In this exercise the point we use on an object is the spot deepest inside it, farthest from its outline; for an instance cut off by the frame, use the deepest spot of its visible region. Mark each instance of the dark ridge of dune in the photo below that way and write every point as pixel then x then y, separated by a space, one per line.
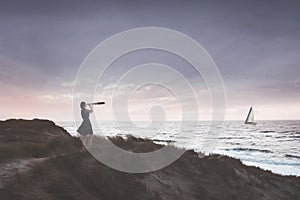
pixel 33 139
pixel 39 160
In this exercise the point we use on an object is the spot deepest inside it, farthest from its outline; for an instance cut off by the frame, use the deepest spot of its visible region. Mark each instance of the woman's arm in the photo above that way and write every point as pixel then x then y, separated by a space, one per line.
pixel 91 109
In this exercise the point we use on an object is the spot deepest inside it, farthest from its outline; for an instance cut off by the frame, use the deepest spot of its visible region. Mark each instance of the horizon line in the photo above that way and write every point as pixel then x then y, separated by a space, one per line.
pixel 150 120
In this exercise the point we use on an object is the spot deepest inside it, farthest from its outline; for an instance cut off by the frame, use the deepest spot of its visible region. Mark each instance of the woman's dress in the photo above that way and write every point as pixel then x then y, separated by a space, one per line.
pixel 86 127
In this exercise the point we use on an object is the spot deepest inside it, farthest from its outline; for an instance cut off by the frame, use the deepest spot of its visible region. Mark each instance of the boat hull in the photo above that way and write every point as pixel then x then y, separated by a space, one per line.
pixel 251 123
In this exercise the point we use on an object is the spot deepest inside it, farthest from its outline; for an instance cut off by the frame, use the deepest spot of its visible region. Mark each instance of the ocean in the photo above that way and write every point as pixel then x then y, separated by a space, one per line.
pixel 270 145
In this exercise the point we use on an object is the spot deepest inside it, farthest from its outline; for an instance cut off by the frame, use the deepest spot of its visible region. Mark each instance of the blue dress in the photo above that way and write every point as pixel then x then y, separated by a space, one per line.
pixel 86 127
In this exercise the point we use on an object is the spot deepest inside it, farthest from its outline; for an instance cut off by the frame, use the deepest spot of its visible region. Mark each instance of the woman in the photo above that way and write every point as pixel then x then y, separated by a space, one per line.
pixel 85 129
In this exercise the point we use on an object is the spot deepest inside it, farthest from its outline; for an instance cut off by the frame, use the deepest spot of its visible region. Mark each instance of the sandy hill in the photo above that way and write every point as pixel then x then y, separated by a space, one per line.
pixel 39 160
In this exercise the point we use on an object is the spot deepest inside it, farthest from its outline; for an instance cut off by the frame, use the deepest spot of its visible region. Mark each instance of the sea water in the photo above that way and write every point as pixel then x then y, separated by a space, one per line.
pixel 270 145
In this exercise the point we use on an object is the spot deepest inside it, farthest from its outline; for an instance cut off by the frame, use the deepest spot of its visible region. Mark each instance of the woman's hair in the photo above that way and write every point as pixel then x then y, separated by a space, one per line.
pixel 82 104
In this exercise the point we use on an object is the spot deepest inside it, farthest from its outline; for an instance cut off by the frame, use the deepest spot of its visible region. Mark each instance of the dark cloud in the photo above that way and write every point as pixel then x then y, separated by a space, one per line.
pixel 254 43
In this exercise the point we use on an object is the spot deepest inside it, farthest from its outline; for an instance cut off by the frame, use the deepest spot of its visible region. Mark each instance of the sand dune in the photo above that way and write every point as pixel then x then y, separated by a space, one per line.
pixel 39 160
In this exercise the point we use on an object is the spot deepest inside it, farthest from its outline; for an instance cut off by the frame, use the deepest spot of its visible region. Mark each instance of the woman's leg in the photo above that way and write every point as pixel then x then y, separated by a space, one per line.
pixel 83 139
pixel 90 140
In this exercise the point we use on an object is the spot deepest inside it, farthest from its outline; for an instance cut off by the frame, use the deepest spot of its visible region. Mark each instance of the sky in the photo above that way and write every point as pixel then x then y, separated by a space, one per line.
pixel 255 44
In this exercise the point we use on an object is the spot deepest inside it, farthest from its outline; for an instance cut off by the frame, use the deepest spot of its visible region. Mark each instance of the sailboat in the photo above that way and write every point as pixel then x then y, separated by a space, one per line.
pixel 250 117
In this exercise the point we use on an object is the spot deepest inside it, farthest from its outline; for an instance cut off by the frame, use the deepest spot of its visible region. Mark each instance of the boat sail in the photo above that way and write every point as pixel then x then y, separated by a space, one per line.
pixel 250 117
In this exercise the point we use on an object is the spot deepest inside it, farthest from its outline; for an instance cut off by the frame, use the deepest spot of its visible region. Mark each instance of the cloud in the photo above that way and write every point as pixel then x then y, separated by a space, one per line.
pixel 254 43
pixel 68 84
